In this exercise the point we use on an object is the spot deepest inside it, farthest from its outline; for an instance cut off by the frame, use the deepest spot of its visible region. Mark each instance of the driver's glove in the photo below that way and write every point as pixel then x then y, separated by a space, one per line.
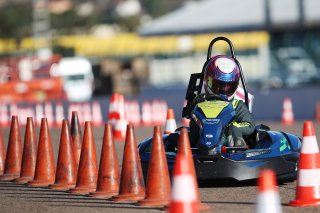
pixel 190 106
pixel 199 98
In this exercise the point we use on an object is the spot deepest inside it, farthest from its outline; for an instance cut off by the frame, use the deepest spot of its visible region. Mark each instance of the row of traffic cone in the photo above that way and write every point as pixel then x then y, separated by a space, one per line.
pixel 152 113
pixel 15 164
pixel 184 174
pixel 308 178
pixel 30 146
pixel 288 118
pixel 42 172
pixel 122 112
pixel 55 115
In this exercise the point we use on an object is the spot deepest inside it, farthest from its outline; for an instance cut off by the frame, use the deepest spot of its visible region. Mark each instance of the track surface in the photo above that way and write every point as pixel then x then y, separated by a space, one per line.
pixel 234 198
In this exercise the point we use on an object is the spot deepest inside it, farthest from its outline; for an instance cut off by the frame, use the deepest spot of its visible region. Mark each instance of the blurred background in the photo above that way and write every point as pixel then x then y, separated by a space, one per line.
pixel 78 52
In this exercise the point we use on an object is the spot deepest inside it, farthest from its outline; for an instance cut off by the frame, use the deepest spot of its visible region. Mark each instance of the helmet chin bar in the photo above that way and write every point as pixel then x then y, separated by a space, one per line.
pixel 226 98
pixel 222 96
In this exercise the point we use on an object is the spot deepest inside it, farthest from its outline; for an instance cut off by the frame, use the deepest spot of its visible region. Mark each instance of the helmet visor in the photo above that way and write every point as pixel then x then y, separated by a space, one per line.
pixel 222 88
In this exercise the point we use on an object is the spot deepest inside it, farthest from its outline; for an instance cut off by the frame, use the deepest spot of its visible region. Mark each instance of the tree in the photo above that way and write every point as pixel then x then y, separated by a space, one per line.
pixel 16 21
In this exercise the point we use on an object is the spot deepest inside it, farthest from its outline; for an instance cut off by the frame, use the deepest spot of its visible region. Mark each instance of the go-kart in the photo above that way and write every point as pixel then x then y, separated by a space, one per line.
pixel 213 159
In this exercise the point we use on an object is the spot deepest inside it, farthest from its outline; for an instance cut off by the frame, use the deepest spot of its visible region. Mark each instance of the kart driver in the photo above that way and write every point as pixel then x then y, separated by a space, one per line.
pixel 221 80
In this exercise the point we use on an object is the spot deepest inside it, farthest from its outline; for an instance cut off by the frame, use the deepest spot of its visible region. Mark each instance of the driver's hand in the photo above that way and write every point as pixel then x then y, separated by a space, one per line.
pixel 190 106
pixel 199 98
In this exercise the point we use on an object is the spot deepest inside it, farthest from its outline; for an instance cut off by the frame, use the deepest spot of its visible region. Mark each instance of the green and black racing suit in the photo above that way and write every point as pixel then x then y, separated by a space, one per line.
pixel 242 125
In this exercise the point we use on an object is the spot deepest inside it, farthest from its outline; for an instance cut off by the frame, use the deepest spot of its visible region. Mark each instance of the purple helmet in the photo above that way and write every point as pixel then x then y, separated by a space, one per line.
pixel 221 77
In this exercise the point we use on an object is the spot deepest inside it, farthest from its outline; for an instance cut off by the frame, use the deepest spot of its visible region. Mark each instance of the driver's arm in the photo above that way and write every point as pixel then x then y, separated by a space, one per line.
pixel 243 124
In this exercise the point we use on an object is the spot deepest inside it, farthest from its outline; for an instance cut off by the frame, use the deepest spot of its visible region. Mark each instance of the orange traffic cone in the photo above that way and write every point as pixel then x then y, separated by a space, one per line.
pixel 66 166
pixel 29 154
pixel 268 199
pixel 158 179
pixel 75 107
pixel 318 112
pixel 185 149
pixel 184 196
pixel 108 187
pixel 87 172
pixel 131 182
pixel 45 166
pixel 2 154
pixel 76 137
pixel 171 125
pixel 14 152
pixel 287 113
pixel 308 179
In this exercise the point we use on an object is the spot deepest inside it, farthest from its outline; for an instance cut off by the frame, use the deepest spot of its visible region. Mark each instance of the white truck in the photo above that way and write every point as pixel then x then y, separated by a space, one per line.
pixel 78 79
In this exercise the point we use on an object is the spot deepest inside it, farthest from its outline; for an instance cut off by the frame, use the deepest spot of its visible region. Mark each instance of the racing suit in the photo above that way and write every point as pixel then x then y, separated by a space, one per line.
pixel 242 125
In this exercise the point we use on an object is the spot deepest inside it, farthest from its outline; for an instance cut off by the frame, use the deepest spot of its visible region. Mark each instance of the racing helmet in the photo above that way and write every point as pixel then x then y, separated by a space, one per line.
pixel 221 77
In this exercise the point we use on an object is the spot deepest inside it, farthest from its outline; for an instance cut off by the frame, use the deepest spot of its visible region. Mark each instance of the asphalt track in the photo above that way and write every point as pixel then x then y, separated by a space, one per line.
pixel 222 198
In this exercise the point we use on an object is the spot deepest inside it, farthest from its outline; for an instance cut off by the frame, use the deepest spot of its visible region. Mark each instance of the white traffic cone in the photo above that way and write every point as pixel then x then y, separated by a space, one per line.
pixel 184 196
pixel 117 117
pixel 268 199
pixel 287 113
pixel 308 178
pixel 171 124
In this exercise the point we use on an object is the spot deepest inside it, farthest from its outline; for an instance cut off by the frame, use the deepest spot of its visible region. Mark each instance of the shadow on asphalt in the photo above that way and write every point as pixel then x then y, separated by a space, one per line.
pixel 225 183
pixel 59 198
pixel 74 200
pixel 37 191
pixel 226 202
pixel 111 207
pixel 235 183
